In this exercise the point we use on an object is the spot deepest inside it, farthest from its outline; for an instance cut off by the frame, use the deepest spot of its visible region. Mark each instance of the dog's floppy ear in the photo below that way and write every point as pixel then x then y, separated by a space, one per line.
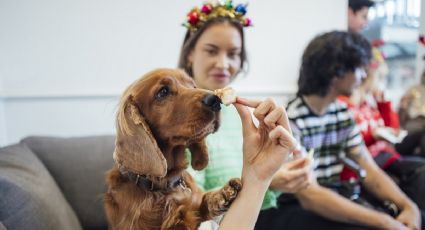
pixel 135 148
pixel 199 152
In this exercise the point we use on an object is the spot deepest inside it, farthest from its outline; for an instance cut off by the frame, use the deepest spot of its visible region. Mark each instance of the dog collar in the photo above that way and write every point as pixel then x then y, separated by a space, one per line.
pixel 143 182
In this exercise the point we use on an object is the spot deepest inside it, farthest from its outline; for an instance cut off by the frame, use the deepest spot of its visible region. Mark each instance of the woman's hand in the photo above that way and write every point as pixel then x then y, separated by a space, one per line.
pixel 267 146
pixel 264 150
pixel 293 176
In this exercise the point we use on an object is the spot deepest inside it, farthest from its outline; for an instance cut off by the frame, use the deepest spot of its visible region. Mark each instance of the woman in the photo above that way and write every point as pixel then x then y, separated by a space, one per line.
pixel 213 53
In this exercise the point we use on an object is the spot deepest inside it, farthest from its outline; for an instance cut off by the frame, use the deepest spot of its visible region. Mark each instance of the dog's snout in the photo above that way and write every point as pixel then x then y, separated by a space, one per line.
pixel 212 102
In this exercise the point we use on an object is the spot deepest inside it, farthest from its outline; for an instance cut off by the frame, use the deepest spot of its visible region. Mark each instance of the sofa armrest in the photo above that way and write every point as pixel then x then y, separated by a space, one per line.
pixel 78 165
pixel 30 198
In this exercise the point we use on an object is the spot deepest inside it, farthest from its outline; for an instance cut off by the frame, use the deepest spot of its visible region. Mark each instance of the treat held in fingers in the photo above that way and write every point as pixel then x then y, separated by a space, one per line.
pixel 227 95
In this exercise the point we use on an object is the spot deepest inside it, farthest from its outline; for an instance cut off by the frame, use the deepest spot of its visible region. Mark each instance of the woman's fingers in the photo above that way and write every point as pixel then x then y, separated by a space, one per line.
pixel 283 137
pixel 264 109
pixel 276 117
pixel 273 118
pixel 248 102
pixel 272 115
pixel 247 123
pixel 285 122
pixel 268 112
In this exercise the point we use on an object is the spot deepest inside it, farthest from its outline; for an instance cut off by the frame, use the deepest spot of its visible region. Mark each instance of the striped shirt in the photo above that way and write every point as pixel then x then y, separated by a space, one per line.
pixel 225 156
pixel 331 135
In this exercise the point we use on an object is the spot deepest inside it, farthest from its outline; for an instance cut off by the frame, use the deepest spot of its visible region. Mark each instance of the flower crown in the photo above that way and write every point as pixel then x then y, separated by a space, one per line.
pixel 196 18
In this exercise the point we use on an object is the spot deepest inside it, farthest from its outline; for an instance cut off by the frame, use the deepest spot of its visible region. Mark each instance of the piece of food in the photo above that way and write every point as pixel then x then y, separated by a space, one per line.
pixel 226 94
pixel 311 154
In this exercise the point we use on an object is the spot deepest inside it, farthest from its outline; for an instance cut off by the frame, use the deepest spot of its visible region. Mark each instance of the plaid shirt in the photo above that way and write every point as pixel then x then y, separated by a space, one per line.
pixel 330 135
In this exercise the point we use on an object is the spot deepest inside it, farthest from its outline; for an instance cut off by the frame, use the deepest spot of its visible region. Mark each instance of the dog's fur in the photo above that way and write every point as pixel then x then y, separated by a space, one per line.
pixel 160 115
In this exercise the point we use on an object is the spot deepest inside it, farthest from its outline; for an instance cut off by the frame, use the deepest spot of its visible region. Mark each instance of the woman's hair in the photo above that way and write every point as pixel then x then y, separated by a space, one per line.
pixel 331 55
pixel 191 38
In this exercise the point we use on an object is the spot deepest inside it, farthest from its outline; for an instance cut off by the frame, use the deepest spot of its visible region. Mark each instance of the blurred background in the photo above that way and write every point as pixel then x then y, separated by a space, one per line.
pixel 397 24
pixel 64 64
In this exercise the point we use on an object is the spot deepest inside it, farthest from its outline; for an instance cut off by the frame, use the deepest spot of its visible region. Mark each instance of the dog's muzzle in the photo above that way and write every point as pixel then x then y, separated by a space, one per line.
pixel 212 102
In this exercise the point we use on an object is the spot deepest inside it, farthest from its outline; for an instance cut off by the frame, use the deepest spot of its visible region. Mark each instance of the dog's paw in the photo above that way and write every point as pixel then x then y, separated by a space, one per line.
pixel 217 202
pixel 230 192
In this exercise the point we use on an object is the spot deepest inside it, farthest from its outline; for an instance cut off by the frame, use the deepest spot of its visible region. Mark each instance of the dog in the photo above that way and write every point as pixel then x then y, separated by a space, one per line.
pixel 159 117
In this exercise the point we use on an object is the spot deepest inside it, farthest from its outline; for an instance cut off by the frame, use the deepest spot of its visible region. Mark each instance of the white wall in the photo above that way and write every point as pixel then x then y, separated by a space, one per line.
pixel 281 31
pixel 2 117
pixel 64 63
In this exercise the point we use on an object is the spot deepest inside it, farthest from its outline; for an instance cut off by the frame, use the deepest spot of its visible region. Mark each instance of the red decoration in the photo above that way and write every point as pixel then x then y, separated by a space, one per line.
pixel 247 22
pixel 422 39
pixel 198 16
pixel 377 42
pixel 193 17
pixel 206 8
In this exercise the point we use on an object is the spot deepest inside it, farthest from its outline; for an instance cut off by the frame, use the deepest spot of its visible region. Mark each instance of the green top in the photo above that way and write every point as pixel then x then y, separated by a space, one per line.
pixel 225 156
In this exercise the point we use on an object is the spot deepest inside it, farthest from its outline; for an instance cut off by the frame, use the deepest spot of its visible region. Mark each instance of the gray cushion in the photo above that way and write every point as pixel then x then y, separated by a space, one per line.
pixel 78 165
pixel 29 197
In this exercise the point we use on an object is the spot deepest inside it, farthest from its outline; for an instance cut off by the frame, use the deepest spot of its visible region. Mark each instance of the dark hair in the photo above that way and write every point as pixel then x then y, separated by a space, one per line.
pixel 191 38
pixel 356 5
pixel 331 55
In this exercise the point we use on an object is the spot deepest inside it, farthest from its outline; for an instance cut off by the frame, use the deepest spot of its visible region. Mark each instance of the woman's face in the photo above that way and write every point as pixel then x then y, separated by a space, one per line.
pixel 216 56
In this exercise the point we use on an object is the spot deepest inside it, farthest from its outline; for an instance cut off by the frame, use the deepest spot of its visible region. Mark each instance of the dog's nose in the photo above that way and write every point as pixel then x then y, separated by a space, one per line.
pixel 212 102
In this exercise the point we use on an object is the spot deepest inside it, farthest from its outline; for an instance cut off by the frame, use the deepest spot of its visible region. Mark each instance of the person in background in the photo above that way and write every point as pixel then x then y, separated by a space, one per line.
pixel 377 73
pixel 333 64
pixel 379 126
pixel 412 104
pixel 412 108
pixel 358 11
pixel 214 55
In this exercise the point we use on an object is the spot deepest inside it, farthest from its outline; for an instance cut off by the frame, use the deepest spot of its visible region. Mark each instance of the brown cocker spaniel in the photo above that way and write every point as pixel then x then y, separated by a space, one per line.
pixel 160 115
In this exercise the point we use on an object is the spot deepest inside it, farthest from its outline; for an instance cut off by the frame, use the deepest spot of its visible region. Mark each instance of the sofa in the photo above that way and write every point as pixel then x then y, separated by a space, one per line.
pixel 54 183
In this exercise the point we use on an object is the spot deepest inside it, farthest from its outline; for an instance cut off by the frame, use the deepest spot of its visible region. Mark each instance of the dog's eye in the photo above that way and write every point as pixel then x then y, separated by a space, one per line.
pixel 162 93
